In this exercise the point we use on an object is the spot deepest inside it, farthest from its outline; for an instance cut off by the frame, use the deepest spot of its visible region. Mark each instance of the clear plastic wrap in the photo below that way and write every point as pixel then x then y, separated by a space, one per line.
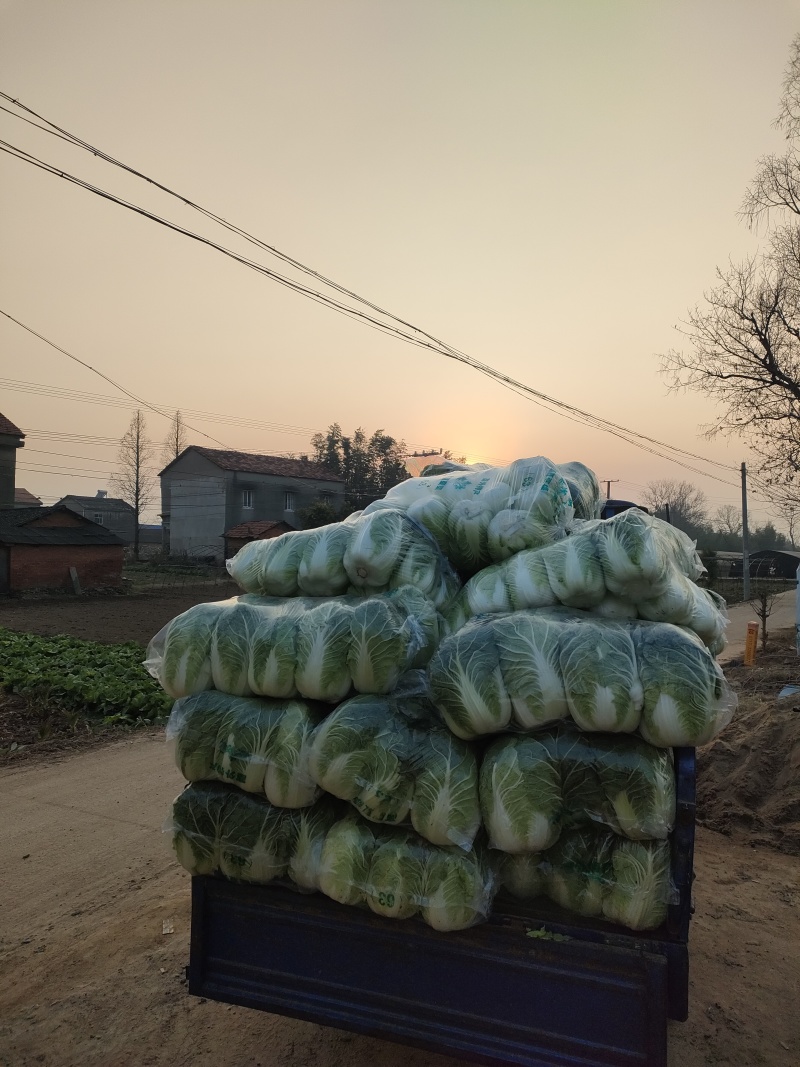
pixel 481 514
pixel 391 758
pixel 367 553
pixel 320 649
pixel 598 875
pixel 522 670
pixel 630 565
pixel 534 787
pixel 218 829
pixel 258 744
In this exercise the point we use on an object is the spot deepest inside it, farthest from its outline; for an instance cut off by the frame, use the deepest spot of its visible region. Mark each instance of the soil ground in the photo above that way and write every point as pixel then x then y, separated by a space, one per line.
pixel 89 976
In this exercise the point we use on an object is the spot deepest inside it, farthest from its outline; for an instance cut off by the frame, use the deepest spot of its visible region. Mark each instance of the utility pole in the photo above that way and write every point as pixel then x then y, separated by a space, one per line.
pixel 608 486
pixel 745 539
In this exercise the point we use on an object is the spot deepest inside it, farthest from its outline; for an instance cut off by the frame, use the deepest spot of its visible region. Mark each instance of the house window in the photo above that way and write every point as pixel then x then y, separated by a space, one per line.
pixel 247 498
pixel 288 501
pixel 98 518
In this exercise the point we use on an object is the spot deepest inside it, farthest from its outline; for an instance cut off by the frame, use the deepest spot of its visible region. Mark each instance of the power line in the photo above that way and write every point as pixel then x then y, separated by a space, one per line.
pixel 105 377
pixel 418 337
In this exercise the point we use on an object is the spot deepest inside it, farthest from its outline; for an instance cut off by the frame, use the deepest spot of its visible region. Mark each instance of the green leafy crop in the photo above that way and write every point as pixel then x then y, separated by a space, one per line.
pixel 102 681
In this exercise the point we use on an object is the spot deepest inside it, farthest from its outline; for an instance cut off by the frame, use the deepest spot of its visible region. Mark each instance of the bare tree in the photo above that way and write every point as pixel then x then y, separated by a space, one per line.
pixel 135 480
pixel 744 339
pixel 728 520
pixel 763 603
pixel 684 503
pixel 175 441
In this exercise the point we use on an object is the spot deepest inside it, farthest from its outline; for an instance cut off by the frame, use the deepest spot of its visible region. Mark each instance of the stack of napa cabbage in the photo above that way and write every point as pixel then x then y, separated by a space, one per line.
pixel 219 829
pixel 481 514
pixel 267 731
pixel 336 721
pixel 630 566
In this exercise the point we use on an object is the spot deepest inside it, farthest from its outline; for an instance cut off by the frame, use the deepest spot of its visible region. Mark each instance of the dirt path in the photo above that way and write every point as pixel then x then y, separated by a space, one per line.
pixel 90 979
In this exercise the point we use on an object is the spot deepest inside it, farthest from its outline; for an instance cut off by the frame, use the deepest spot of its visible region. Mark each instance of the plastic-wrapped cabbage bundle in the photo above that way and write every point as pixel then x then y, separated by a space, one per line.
pixel 393 761
pixel 686 698
pixel 630 565
pixel 523 670
pixel 320 649
pixel 216 828
pixel 597 874
pixel 397 874
pixel 533 787
pixel 367 553
pixel 260 745
pixel 481 514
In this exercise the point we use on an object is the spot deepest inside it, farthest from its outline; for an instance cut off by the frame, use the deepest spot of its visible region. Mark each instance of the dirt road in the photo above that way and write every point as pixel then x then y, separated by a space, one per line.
pixel 90 979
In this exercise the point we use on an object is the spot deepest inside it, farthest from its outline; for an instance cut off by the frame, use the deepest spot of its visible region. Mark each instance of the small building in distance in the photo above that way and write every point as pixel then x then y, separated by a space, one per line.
pixel 769 563
pixel 111 512
pixel 39 546
pixel 239 536
pixel 207 491
pixel 24 499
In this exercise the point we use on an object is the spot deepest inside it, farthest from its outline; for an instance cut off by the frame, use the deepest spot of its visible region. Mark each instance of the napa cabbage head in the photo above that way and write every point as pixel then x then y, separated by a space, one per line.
pixel 445 809
pixel 287 778
pixel 467 529
pixel 179 656
pixel 523 874
pixel 310 830
pixel 640 891
pixel 687 700
pixel 459 888
pixel 574 572
pixel 376 548
pixel 579 871
pixel 321 569
pixel 467 683
pixel 598 666
pixel 322 648
pixel 395 882
pixel 345 861
pixel 379 647
pixel 253 839
pixel 520 794
pixel 194 826
pixel 512 531
pixel 528 645
pixel 230 647
pixel 273 651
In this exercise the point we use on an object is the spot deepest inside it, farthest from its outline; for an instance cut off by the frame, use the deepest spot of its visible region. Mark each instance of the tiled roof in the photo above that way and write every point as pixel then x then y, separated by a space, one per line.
pixel 257 529
pixel 15 529
pixel 102 501
pixel 7 426
pixel 25 499
pixel 278 465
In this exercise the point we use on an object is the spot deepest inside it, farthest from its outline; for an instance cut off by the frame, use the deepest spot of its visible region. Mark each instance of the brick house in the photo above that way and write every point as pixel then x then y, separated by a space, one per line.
pixel 207 491
pixel 39 545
